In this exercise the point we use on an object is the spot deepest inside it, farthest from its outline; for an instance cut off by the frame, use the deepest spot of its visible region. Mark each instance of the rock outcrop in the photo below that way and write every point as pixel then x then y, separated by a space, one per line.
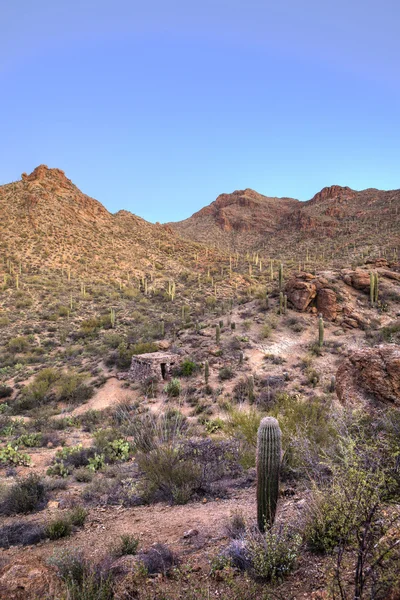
pixel 304 291
pixel 358 279
pixel 370 374
pixel 28 580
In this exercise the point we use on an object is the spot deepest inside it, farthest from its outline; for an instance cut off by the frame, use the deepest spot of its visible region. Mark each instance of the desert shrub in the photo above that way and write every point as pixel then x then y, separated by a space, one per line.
pixel 236 526
pixel 265 331
pixel 58 528
pixel 359 488
pixel 69 458
pixel 173 388
pixel 188 367
pixel 25 496
pixel 312 376
pixel 167 476
pixel 158 559
pixel 18 345
pixel 51 385
pixel 242 390
pixel 90 419
pixel 296 324
pixel 5 391
pixel 225 373
pixel 77 516
pixel 309 430
pixel 144 347
pixel 271 387
pixel 127 545
pixel 242 425
pixel 389 334
pixel 112 339
pixel 10 455
pixel 84 580
pixel 70 387
pixel 177 470
pixel 217 459
pixel 30 440
pixel 149 430
pixel 149 387
pixel 83 475
pixel 271 556
pixel 21 533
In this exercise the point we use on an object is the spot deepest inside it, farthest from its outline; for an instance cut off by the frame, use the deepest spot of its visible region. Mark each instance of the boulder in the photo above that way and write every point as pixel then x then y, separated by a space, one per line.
pixel 300 293
pixel 358 279
pixel 327 303
pixel 370 374
pixel 304 288
pixel 28 580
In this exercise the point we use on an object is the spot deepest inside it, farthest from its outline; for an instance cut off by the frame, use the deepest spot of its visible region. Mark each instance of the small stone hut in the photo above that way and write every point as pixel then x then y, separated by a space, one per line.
pixel 152 364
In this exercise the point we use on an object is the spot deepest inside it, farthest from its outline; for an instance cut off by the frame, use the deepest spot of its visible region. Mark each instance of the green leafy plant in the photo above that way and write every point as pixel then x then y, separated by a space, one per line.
pixel 10 455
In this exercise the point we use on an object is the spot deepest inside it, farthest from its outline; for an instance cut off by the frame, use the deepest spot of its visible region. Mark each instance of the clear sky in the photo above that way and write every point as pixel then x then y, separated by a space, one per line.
pixel 158 106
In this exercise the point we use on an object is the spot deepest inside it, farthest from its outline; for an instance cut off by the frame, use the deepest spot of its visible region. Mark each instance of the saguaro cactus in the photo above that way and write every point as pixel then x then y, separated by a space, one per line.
pixel 268 465
pixel 280 276
pixel 320 331
pixel 206 372
pixel 371 288
pixel 376 288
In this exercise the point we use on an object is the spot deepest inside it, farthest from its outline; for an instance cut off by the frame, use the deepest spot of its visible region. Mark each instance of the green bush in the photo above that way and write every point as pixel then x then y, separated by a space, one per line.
pixel 59 528
pixel 188 367
pixel 10 455
pixel 243 425
pixel 24 496
pixel 30 440
pixel 167 475
pixel 225 373
pixel 144 347
pixel 173 388
pixel 51 385
pixel 272 555
pixel 83 475
pixel 77 516
pixel 5 391
pixel 127 545
pixel 18 345
pixel 84 580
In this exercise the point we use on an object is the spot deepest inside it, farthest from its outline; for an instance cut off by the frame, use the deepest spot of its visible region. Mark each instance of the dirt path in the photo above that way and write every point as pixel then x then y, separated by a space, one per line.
pixel 110 394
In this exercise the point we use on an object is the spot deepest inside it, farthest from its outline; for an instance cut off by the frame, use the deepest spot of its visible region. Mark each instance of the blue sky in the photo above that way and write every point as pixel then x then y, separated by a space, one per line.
pixel 159 106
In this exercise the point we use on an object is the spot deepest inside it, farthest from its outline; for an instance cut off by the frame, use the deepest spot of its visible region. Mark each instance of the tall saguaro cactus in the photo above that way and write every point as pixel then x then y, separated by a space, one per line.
pixel 320 331
pixel 269 448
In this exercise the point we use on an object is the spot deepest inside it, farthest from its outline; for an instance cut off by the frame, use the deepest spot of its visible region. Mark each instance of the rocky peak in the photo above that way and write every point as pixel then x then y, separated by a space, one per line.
pixel 43 174
pixel 334 192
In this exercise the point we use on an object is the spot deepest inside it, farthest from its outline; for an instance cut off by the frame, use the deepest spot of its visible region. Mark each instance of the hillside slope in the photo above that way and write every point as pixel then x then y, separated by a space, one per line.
pixel 335 217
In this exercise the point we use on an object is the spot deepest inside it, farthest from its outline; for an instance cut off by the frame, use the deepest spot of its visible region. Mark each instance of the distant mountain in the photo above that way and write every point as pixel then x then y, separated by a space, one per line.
pixel 47 221
pixel 246 219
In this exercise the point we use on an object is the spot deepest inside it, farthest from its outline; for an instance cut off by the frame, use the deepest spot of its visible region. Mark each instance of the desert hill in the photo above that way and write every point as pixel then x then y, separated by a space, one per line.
pixel 47 222
pixel 334 217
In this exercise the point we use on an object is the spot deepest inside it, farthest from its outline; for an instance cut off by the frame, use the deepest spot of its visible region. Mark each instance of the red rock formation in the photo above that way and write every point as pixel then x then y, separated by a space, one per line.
pixel 370 374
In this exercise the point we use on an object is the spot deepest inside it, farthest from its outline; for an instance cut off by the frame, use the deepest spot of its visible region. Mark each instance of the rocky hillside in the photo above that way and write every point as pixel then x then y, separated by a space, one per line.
pixel 334 219
pixel 48 222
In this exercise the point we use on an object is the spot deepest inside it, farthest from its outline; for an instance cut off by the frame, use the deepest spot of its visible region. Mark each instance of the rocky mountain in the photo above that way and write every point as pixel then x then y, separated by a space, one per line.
pixel 335 217
pixel 47 221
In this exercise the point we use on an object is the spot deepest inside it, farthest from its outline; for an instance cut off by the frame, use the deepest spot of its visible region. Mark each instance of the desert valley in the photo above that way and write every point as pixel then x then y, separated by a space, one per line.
pixel 137 361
